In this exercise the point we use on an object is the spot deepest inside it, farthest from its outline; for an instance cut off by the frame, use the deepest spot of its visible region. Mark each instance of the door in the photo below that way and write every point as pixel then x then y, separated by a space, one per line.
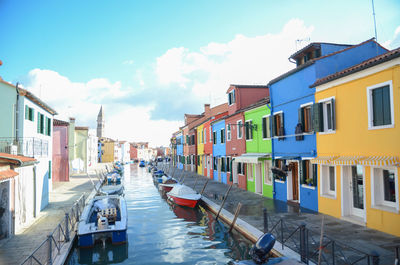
pixel 208 166
pixel 295 181
pixel 219 169
pixel 60 169
pixel 258 180
pixel 357 191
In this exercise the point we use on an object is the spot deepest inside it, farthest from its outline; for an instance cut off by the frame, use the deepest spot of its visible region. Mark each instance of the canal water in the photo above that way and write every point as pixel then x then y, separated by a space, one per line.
pixel 161 233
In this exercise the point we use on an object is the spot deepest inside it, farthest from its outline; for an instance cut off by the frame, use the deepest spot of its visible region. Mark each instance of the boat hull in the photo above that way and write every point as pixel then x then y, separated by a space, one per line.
pixel 183 202
pixel 88 240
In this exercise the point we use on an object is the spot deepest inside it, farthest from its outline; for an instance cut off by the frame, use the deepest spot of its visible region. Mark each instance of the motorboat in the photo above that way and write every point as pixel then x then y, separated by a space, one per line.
pixel 184 196
pixel 112 189
pixel 103 218
pixel 142 164
pixel 108 255
pixel 167 183
pixel 113 177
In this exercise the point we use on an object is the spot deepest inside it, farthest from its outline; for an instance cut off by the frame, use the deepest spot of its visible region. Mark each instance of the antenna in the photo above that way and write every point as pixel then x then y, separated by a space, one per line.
pixel 373 14
pixel 298 41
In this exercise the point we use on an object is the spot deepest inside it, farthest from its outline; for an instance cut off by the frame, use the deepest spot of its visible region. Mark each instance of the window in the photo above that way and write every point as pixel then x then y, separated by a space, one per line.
pixel 305 118
pixel 29 113
pixel 328 113
pixel 228 132
pixel 222 136
pixel 223 165
pixel 308 173
pixel 278 125
pixel 214 137
pixel 210 135
pixel 279 163
pixel 187 139
pixel 267 172
pixel 249 130
pixel 240 168
pixel 266 127
pixel 192 141
pixel 215 163
pixel 328 180
pixel 239 129
pixel 231 97
pixel 250 171
pixel 384 188
pixel 228 164
pixel 380 105
pixel 40 123
pixel 48 126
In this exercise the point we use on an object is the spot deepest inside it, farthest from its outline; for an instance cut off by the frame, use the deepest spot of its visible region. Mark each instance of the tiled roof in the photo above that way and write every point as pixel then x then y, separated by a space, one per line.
pixel 60 123
pixel 317 45
pixel 7 174
pixel 36 100
pixel 81 128
pixel 359 67
pixel 16 159
pixel 316 59
pixel 250 86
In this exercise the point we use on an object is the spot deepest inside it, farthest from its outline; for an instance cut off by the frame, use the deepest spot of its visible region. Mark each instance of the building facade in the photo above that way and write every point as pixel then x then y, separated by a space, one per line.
pixel 220 163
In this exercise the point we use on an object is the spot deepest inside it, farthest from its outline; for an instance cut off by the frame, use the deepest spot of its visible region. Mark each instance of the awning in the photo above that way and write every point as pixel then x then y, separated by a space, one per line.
pixel 347 160
pixel 251 157
pixel 7 174
pixel 323 160
pixel 380 161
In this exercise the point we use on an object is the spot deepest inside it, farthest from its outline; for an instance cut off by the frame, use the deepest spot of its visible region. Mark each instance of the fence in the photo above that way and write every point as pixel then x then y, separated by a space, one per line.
pixel 46 252
pixel 26 146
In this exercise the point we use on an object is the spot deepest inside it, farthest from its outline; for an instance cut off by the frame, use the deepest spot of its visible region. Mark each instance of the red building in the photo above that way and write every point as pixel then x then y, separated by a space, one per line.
pixel 240 97
pixel 60 169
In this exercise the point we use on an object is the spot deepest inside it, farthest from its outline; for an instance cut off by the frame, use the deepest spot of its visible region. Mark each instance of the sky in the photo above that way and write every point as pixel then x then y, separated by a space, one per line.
pixel 150 62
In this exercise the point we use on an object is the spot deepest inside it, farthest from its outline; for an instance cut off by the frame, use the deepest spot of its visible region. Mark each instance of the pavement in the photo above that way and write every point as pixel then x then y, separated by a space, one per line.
pixel 352 241
pixel 16 249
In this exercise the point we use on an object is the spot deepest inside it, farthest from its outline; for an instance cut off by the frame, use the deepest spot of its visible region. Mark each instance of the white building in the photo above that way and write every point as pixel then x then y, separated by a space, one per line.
pixel 125 151
pixel 93 149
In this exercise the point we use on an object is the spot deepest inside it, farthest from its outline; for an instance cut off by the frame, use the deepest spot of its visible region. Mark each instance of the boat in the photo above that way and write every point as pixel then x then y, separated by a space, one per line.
pixel 113 177
pixel 108 255
pixel 167 183
pixel 103 218
pixel 142 164
pixel 112 189
pixel 184 196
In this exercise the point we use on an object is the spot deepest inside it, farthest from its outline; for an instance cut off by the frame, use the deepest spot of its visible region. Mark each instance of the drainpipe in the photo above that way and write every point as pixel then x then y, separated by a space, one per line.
pixel 16 114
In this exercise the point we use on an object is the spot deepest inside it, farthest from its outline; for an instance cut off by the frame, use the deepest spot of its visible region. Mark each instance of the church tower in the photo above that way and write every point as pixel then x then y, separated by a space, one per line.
pixel 100 123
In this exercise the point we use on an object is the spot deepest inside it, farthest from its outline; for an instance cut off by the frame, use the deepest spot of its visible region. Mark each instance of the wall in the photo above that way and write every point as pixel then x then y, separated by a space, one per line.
pixel 60 154
pixel 108 152
pixel 79 164
pixel 179 149
pixel 24 197
pixel 219 149
pixel 200 149
pixel 7 109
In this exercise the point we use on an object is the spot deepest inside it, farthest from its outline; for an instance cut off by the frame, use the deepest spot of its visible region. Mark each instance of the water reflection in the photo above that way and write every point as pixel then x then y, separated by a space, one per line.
pixel 164 233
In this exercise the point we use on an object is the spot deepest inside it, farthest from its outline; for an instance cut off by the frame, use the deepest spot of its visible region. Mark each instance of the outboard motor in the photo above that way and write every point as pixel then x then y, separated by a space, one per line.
pixel 260 251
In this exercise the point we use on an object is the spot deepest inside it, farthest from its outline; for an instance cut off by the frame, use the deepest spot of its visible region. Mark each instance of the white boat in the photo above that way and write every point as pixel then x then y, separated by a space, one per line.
pixel 112 189
pixel 104 217
pixel 184 196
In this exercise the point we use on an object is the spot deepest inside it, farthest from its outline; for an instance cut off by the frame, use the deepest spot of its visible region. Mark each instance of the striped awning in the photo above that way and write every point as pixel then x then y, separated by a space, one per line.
pixel 323 160
pixel 347 160
pixel 380 161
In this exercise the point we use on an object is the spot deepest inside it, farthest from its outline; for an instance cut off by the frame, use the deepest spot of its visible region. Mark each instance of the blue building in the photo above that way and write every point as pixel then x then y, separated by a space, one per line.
pixel 296 117
pixel 220 163
pixel 179 150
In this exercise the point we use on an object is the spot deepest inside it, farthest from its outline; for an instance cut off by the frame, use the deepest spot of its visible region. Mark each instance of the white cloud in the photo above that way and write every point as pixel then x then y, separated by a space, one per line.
pixel 128 62
pixel 243 60
pixel 395 41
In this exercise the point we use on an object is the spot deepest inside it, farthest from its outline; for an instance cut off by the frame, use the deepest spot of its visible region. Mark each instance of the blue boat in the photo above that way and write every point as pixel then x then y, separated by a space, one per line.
pixel 113 177
pixel 103 218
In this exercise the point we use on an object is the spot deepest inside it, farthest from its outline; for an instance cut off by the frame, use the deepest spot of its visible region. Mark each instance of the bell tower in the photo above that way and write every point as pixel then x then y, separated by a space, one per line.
pixel 100 123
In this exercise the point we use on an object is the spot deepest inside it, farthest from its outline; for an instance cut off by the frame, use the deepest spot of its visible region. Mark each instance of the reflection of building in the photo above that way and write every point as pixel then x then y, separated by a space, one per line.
pixel 125 151
pixel 358 143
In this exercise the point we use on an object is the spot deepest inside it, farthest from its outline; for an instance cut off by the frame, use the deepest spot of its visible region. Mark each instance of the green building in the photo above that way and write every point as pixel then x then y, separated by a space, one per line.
pixel 258 148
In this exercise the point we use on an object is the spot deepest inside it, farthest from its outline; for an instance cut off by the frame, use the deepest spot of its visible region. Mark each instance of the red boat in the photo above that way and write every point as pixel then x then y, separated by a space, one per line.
pixel 184 196
pixel 168 184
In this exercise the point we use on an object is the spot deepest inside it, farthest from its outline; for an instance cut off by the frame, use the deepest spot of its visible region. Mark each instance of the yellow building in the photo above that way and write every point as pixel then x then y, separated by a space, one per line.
pixel 200 149
pixel 107 150
pixel 358 143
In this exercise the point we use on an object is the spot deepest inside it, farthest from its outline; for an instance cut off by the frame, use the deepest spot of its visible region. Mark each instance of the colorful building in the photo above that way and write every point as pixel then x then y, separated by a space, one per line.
pixel 358 143
pixel 60 169
pixel 107 150
pixel 200 149
pixel 294 114
pixel 258 148
pixel 179 150
pixel 220 162
pixel 239 97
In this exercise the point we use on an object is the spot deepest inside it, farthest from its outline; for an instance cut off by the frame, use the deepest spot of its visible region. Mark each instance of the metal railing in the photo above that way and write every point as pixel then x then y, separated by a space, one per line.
pixel 26 146
pixel 48 250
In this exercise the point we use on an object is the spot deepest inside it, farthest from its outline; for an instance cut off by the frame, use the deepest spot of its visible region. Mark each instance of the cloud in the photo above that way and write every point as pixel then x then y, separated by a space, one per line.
pixel 395 41
pixel 128 62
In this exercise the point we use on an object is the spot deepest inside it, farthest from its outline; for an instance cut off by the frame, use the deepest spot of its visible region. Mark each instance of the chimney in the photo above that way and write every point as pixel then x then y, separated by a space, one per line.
pixel 207 110
pixel 71 120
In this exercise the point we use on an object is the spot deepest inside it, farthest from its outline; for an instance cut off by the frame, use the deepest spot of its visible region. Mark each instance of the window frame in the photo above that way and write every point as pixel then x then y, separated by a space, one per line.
pixel 250 130
pixel 370 106
pixel 377 196
pixel 250 173
pixel 205 135
pixel 231 98
pixel 267 173
pixel 324 102
pixel 228 132
pixel 325 190
pixel 239 129
pixel 269 127
pixel 215 137
pixel 276 133
pixel 222 134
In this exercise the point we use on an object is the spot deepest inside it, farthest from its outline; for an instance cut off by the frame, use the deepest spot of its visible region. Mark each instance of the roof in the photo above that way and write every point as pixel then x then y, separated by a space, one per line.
pixel 17 159
pixel 36 100
pixel 7 174
pixel 60 123
pixel 245 86
pixel 359 67
pixel 316 45
pixel 316 59
pixel 81 128
pixel 259 103
pixel 214 111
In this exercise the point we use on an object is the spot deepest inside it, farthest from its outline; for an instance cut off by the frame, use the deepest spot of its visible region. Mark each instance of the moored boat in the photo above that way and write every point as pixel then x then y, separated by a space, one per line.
pixel 113 177
pixel 104 217
pixel 184 196
pixel 112 189
pixel 168 183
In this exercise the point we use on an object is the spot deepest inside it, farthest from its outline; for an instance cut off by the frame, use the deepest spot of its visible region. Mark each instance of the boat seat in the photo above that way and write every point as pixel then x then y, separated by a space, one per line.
pixel 110 214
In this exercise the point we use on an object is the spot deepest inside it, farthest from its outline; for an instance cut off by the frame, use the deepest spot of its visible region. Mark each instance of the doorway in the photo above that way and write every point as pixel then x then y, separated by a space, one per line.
pixel 258 179
pixel 293 182
pixel 353 192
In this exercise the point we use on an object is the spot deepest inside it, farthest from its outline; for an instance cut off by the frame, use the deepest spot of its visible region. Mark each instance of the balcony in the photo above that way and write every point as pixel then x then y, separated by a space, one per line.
pixel 28 146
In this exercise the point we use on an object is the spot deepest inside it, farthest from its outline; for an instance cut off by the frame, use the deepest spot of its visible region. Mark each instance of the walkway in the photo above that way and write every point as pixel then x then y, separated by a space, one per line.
pixel 15 250
pixel 349 235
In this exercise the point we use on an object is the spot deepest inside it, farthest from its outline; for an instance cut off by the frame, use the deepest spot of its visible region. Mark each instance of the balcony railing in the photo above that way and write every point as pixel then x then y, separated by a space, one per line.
pixel 26 146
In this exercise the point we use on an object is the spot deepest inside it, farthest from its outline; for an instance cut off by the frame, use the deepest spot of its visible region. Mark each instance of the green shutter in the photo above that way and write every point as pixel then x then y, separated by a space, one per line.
pixel 49 169
pixel 317 117
pixel 26 112
pixel 303 174
pixel 32 114
pixel 333 114
pixel 315 174
pixel 282 125
pixel 273 126
pixel 38 123
pixel 301 117
pixel 386 105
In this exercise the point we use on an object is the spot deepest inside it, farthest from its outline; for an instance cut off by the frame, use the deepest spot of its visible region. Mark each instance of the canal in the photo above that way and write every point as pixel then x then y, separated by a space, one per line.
pixel 160 233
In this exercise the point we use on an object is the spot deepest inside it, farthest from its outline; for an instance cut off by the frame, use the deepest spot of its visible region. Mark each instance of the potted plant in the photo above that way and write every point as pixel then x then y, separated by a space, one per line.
pixel 309 181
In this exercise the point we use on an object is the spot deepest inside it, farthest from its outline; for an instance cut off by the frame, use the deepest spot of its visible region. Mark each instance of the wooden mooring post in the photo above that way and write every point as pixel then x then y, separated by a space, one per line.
pixel 195 182
pixel 235 217
pixel 204 187
pixel 223 202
